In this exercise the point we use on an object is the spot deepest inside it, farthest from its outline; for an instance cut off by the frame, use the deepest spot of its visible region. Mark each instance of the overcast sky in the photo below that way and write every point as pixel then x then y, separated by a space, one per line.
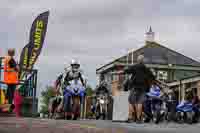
pixel 97 31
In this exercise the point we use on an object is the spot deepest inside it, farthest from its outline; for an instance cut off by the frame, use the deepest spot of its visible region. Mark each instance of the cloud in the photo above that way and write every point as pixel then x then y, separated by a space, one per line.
pixel 97 31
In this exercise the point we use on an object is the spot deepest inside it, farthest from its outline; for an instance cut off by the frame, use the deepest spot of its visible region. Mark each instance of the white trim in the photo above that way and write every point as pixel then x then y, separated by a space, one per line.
pixel 105 68
pixel 118 72
pixel 184 81
pixel 174 83
pixel 191 80
pixel 176 67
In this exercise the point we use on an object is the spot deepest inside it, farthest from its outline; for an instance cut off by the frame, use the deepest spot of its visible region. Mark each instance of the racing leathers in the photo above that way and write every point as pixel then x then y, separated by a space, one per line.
pixel 64 80
pixel 69 78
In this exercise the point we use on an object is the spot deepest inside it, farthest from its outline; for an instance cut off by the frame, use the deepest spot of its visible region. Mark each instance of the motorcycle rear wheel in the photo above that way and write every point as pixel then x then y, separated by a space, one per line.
pixel 76 108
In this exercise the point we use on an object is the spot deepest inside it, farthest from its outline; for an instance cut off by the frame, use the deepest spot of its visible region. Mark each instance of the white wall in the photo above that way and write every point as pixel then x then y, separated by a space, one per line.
pixel 39 103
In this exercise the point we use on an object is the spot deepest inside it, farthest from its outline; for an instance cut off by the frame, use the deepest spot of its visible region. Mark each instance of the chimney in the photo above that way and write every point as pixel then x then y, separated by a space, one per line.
pixel 150 35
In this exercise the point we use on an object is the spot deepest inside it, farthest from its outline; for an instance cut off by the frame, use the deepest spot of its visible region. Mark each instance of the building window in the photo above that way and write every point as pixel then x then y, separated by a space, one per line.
pixel 162 75
pixel 115 77
pixel 106 78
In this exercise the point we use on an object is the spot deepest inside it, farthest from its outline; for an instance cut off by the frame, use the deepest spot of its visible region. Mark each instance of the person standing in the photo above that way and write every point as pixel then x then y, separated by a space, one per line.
pixel 139 85
pixel 10 75
pixel 102 87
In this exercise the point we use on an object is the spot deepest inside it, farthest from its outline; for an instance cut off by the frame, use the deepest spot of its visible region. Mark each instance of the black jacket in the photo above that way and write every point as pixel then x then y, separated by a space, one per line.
pixel 102 88
pixel 140 76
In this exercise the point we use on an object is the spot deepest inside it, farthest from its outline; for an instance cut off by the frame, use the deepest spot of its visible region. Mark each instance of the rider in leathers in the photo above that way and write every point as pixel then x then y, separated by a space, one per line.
pixel 71 73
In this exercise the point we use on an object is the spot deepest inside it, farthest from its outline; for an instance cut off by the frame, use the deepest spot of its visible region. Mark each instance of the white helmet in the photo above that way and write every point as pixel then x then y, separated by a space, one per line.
pixel 75 62
pixel 75 65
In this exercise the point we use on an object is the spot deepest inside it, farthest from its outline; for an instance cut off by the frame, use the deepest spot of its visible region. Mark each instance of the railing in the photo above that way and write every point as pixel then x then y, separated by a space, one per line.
pixel 28 86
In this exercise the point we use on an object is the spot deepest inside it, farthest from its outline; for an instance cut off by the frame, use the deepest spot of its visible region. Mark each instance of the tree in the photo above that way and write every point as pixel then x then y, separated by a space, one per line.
pixel 89 91
pixel 46 95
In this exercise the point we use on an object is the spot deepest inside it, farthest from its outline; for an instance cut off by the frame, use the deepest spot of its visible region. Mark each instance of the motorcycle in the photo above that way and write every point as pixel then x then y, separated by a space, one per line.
pixel 196 116
pixel 186 112
pixel 171 103
pixel 74 96
pixel 154 96
pixel 101 107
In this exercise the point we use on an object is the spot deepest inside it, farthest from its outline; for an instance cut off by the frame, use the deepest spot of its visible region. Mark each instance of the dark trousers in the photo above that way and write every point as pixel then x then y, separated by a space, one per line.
pixel 10 93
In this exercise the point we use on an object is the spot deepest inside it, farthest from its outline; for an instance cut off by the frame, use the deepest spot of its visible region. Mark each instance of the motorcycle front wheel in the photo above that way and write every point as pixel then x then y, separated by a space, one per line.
pixel 100 115
pixel 76 107
pixel 97 113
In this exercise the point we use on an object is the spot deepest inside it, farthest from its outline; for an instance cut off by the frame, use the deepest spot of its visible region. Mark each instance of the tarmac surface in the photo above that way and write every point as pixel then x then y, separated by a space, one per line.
pixel 30 125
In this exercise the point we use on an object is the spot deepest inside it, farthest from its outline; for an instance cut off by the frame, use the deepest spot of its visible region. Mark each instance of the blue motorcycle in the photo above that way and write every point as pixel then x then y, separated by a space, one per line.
pixel 171 104
pixel 186 112
pixel 155 100
pixel 74 96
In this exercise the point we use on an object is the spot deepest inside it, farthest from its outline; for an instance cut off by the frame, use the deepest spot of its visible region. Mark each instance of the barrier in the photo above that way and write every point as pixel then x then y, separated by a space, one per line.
pixel 120 107
pixel 28 86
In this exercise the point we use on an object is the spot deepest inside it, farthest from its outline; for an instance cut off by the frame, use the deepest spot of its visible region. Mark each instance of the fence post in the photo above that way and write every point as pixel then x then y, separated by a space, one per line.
pixel 34 85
